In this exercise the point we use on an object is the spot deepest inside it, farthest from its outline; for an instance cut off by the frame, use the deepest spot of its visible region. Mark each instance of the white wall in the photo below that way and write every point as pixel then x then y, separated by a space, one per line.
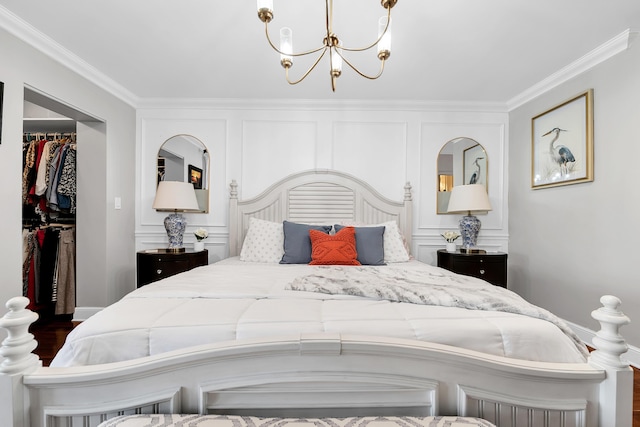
pixel 106 261
pixel 259 144
pixel 570 245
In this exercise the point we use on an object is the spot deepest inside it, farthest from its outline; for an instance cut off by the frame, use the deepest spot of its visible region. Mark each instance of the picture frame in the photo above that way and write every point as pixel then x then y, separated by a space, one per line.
pixel 161 169
pixel 195 177
pixel 562 143
pixel 1 108
pixel 474 165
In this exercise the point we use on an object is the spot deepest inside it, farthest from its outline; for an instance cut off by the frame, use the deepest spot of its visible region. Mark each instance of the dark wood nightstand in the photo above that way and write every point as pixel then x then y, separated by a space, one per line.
pixel 156 264
pixel 491 267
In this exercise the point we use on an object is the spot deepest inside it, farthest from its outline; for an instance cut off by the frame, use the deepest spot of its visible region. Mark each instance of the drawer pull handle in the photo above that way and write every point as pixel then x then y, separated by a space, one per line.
pixel 158 271
pixel 481 271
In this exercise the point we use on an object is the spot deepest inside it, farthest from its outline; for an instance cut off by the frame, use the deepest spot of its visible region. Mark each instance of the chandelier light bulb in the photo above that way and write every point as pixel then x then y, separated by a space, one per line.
pixel 286 47
pixel 336 63
pixel 265 10
pixel 384 34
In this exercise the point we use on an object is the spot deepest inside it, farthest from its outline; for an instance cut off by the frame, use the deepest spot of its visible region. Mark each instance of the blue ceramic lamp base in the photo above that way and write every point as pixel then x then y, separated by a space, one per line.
pixel 469 229
pixel 175 224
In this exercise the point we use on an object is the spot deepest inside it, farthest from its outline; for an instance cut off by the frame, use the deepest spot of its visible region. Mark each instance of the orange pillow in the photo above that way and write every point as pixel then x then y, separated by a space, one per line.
pixel 337 249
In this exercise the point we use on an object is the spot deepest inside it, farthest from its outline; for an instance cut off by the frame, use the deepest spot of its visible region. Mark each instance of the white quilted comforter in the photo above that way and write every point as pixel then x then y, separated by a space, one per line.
pixel 235 300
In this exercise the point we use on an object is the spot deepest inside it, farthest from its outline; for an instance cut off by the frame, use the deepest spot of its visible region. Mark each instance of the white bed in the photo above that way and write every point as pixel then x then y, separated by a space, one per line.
pixel 295 352
pixel 236 300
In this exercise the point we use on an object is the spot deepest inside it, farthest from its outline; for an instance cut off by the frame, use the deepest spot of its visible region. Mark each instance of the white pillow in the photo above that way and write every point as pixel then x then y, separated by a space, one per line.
pixel 264 242
pixel 394 247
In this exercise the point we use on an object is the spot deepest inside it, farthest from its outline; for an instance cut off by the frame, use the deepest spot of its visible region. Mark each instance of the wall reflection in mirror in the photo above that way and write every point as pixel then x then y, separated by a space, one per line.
pixel 185 158
pixel 460 161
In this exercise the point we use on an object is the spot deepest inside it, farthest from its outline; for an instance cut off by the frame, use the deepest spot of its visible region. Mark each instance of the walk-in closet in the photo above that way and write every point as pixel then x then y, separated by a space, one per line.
pixel 49 156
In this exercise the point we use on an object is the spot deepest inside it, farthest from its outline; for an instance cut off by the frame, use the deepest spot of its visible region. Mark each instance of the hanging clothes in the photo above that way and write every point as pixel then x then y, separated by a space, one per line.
pixel 67 182
pixel 49 187
pixel 65 291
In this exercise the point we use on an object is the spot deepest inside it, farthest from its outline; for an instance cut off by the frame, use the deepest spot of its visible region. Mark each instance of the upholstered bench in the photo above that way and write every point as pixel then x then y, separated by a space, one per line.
pixel 173 420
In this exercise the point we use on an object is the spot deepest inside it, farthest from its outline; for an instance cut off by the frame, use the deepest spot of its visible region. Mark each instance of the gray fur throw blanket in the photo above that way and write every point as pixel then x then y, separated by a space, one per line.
pixel 424 286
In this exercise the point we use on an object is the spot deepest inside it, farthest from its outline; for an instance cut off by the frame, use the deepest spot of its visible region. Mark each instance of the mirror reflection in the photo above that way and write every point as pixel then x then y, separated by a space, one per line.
pixel 185 158
pixel 460 161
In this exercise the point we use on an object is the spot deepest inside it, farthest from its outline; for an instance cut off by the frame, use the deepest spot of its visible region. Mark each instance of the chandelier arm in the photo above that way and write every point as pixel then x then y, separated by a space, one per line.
pixel 360 49
pixel 266 31
pixel 304 76
pixel 353 67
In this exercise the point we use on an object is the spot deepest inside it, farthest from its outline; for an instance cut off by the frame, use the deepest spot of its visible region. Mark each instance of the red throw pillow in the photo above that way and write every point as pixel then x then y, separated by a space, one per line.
pixel 337 249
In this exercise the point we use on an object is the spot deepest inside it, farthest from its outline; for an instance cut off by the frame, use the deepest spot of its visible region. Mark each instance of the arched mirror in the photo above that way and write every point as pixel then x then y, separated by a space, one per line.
pixel 460 161
pixel 185 158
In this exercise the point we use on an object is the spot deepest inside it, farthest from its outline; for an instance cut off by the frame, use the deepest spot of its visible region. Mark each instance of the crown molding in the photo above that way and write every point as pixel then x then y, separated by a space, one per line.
pixel 320 104
pixel 618 44
pixel 30 35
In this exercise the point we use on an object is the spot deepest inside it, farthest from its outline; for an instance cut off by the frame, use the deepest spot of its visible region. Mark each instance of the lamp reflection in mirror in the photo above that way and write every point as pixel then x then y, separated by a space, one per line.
pixel 177 197
pixel 470 198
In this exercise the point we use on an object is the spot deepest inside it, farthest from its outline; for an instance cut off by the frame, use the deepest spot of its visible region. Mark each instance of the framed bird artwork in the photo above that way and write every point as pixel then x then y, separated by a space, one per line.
pixel 1 98
pixel 562 143
pixel 474 165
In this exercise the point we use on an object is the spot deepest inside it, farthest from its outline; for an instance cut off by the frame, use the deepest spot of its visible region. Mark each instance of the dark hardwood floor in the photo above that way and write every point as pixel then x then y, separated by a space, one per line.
pixel 50 334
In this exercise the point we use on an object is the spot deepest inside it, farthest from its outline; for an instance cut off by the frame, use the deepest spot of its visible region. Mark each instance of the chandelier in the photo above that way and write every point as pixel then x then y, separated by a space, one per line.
pixel 331 43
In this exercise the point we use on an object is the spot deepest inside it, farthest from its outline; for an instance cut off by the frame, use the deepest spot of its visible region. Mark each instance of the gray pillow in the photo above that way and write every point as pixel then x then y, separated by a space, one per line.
pixel 297 243
pixel 369 244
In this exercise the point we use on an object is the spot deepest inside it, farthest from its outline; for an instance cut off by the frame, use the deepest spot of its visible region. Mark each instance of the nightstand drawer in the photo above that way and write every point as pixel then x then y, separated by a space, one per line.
pixel 156 264
pixel 491 267
pixel 161 268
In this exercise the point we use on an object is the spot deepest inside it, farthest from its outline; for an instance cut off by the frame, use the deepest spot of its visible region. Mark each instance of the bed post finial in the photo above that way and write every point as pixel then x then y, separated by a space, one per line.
pixel 407 191
pixel 234 230
pixel 17 347
pixel 608 342
pixel 616 391
pixel 233 191
pixel 18 361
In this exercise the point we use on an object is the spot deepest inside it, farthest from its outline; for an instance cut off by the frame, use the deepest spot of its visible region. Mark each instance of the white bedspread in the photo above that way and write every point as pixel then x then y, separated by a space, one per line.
pixel 235 300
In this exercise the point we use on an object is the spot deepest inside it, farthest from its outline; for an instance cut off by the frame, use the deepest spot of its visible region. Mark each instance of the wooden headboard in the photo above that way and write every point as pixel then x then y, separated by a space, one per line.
pixel 318 196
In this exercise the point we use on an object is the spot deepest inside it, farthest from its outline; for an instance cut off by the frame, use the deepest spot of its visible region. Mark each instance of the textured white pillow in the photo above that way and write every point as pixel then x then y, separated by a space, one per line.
pixel 394 249
pixel 392 239
pixel 264 242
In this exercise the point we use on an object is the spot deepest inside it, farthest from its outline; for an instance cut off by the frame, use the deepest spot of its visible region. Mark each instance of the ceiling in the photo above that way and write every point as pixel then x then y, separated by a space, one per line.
pixel 487 51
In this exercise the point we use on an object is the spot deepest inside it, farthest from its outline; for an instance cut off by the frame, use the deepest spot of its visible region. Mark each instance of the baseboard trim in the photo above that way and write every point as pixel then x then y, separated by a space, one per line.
pixel 83 313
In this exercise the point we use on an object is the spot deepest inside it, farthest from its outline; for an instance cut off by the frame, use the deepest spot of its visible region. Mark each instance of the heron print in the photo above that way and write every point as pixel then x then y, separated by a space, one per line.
pixel 561 155
pixel 562 144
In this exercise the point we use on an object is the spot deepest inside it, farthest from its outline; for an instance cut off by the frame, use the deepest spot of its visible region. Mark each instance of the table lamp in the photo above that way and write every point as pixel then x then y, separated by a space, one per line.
pixel 177 197
pixel 469 198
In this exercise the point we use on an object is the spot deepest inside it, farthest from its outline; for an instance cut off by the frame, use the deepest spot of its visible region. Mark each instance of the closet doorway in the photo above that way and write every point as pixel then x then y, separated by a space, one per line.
pixel 58 144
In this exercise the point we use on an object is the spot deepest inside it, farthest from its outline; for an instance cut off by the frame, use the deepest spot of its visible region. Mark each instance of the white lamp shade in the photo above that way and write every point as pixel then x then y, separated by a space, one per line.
pixel 175 196
pixel 469 198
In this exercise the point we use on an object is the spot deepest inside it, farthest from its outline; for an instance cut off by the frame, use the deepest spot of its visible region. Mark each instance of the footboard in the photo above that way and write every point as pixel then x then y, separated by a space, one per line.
pixel 321 375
